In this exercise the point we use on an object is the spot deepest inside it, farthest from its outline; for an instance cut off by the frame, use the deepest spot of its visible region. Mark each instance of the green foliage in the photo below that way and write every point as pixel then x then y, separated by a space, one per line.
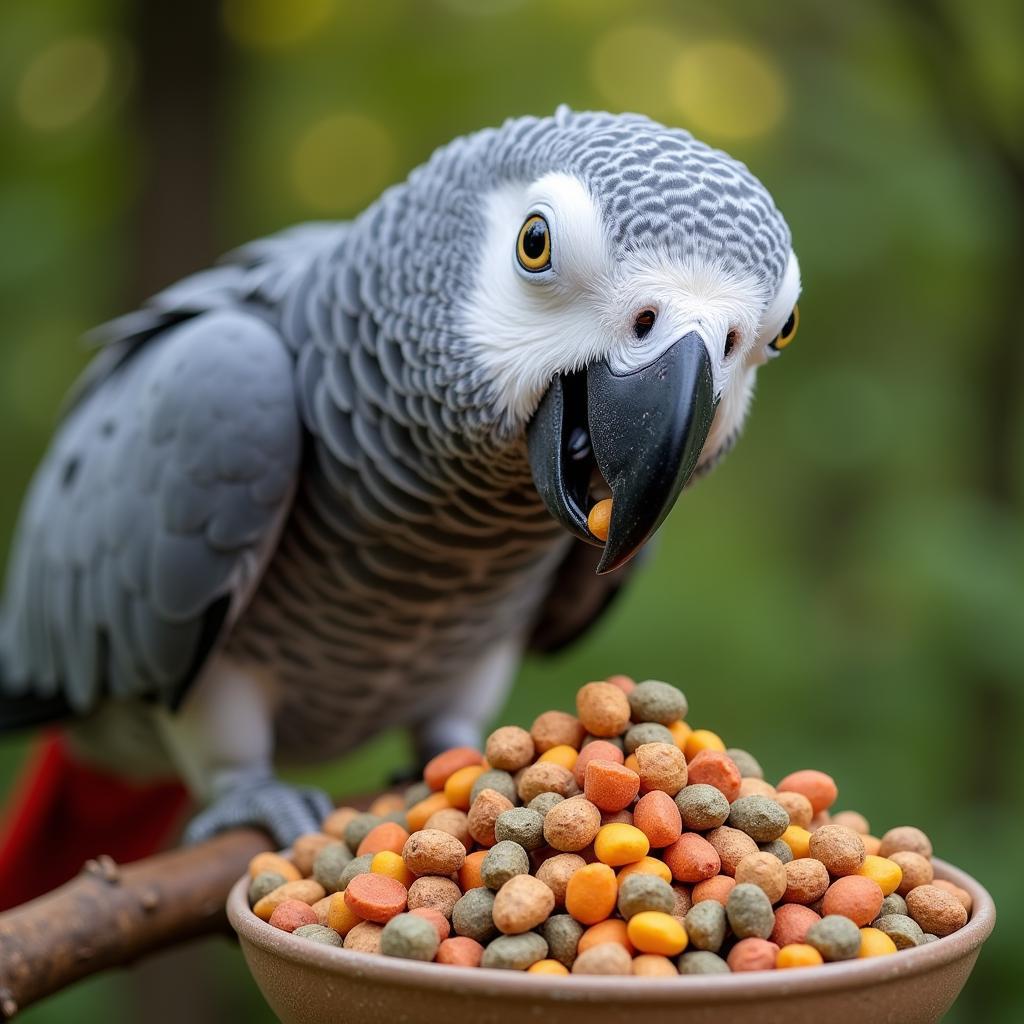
pixel 847 591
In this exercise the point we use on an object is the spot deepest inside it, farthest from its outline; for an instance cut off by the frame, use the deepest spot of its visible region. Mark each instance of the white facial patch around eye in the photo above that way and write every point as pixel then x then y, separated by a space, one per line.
pixel 528 327
pixel 781 306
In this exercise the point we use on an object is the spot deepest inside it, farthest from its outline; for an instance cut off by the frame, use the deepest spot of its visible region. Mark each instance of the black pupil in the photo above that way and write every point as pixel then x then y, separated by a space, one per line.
pixel 644 322
pixel 787 327
pixel 534 239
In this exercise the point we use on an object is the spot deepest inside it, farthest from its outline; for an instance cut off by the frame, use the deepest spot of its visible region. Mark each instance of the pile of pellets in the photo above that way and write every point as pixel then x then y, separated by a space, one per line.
pixel 614 841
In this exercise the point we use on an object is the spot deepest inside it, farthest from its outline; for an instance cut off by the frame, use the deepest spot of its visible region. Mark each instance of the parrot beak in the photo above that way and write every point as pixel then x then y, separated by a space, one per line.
pixel 643 431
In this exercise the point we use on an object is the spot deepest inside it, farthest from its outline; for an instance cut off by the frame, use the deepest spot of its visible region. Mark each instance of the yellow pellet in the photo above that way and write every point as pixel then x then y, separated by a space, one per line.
pixel 340 916
pixel 652 931
pixel 680 733
pixel 646 866
pixel 563 754
pixel 874 942
pixel 392 865
pixel 702 739
pixel 798 840
pixel 459 784
pixel 887 873
pixel 619 844
pixel 547 967
pixel 798 954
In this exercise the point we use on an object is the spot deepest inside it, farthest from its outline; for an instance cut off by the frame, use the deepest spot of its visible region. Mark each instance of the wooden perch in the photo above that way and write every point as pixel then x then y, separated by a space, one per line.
pixel 110 916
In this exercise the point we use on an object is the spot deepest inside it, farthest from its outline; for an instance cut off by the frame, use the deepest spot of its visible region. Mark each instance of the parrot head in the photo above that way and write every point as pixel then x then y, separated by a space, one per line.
pixel 627 282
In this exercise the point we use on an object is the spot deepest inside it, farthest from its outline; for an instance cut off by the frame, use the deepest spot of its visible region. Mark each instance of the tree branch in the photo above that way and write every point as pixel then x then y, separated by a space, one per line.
pixel 110 916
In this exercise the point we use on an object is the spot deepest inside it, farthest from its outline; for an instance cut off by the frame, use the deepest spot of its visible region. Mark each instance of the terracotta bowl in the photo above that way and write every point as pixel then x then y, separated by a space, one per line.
pixel 306 983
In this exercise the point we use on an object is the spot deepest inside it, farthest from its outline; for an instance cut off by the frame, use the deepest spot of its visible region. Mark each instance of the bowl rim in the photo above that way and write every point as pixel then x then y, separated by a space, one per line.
pixel 560 988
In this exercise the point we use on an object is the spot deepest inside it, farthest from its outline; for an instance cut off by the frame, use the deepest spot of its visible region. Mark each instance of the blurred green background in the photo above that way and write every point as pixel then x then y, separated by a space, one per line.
pixel 847 591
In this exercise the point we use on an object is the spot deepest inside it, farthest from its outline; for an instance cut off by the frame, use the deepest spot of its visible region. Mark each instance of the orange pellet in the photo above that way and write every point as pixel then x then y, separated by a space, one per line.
pixel 439 769
pixel 599 518
pixel 610 786
pixel 854 896
pixel 281 865
pixel 385 836
pixel 459 784
pixel 680 733
pixel 460 951
pixel 716 888
pixel 417 814
pixel 632 763
pixel 389 863
pixel 646 866
pixel 469 873
pixel 627 684
pixel 596 750
pixel 547 967
pixel 818 787
pixel 657 816
pixel 798 954
pixel 387 803
pixel 715 769
pixel 650 965
pixel 612 930
pixel 563 754
pixel 702 739
pixel 376 898
pixel 591 893
pixel 691 858
pixel 603 709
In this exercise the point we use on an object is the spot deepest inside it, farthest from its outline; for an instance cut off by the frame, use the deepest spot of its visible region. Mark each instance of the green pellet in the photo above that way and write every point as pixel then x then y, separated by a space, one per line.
pixel 319 933
pixel 500 782
pixel 515 952
pixel 641 892
pixel 750 912
pixel 265 882
pixel 504 860
pixel 646 732
pixel 654 701
pixel 409 937
pixel 702 807
pixel 705 925
pixel 329 865
pixel 562 934
pixel 522 826
pixel 473 915
pixel 835 937
pixel 701 962
pixel 759 816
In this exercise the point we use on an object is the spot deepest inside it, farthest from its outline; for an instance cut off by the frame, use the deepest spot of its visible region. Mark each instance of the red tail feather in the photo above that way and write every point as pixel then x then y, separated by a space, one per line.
pixel 65 812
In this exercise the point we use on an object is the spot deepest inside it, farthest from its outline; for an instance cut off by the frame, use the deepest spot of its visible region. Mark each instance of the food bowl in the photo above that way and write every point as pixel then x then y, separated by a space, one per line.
pixel 308 983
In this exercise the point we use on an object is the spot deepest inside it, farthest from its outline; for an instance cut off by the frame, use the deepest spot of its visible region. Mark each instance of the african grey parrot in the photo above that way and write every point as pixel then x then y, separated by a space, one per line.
pixel 341 481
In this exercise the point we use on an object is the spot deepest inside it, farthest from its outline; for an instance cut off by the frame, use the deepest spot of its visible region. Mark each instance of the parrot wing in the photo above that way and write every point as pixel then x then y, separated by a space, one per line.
pixel 577 598
pixel 153 515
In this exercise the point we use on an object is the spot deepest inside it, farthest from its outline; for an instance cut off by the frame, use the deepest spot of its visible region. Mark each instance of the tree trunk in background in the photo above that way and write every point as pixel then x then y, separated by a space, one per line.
pixel 180 127
pixel 179 118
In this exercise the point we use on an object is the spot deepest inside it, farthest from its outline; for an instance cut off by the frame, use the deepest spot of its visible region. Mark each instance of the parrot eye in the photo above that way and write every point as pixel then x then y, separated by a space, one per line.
pixel 788 332
pixel 534 246
pixel 644 322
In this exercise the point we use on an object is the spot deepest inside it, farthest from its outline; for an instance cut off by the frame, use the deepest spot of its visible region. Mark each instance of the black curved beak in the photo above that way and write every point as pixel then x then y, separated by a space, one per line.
pixel 643 431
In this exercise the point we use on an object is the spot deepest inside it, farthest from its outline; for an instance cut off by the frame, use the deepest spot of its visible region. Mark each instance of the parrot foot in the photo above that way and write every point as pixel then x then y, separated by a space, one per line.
pixel 285 811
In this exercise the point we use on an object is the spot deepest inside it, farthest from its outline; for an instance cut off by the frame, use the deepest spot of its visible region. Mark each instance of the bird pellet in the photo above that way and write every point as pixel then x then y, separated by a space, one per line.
pixel 615 841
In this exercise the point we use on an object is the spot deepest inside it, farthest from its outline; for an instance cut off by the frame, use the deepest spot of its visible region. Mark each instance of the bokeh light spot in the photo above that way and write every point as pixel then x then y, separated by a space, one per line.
pixel 63 83
pixel 726 89
pixel 342 162
pixel 274 24
pixel 629 68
